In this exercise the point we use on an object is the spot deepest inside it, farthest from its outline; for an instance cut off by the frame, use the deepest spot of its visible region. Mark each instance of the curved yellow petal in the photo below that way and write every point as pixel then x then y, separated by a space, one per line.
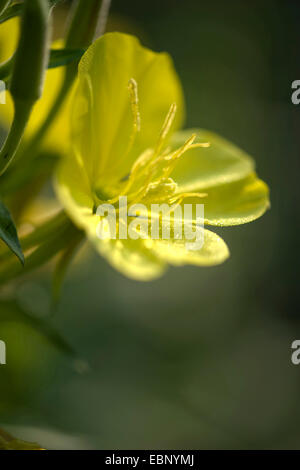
pixel 222 162
pixel 213 252
pixel 234 203
pixel 105 113
pixel 237 203
pixel 73 190
pixel 132 258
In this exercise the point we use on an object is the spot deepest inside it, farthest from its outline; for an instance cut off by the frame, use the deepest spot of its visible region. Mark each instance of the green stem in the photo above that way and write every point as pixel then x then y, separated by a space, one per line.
pixel 21 116
pixel 83 23
pixel 81 32
pixel 29 63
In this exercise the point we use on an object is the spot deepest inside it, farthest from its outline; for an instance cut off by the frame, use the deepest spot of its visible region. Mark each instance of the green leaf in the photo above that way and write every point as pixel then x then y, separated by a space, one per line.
pixel 8 232
pixel 59 57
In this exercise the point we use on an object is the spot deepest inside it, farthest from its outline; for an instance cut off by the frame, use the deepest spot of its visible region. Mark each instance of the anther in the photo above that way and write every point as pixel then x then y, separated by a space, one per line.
pixel 134 100
pixel 200 145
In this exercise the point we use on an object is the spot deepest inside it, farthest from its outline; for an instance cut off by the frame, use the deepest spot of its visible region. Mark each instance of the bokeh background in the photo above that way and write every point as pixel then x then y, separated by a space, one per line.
pixel 202 357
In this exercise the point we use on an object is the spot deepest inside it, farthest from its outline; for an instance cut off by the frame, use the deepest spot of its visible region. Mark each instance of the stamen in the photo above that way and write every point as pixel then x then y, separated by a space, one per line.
pixel 134 101
pixel 166 128
pixel 200 144
pixel 177 200
pixel 141 162
pixel 172 160
pixel 137 166
pixel 188 143
pixel 136 127
pixel 173 157
pixel 180 197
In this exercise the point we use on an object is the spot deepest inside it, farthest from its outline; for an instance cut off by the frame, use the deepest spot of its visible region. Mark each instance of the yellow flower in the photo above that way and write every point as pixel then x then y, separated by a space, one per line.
pixel 127 111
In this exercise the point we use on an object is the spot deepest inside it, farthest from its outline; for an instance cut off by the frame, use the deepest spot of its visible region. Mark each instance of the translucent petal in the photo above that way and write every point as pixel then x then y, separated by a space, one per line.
pixel 213 252
pixel 73 190
pixel 201 168
pixel 132 258
pixel 103 120
pixel 234 203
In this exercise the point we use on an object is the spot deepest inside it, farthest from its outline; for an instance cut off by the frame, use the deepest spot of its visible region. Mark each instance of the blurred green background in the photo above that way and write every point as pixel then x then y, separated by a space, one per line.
pixel 201 357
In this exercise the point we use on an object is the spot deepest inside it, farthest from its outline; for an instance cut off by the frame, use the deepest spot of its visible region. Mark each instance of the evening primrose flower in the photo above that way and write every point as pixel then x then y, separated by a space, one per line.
pixel 127 112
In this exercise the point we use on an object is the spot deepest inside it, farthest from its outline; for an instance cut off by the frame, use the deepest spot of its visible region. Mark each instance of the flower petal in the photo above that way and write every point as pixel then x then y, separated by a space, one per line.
pixel 234 203
pixel 102 111
pixel 74 192
pixel 237 203
pixel 201 168
pixel 132 258
pixel 213 252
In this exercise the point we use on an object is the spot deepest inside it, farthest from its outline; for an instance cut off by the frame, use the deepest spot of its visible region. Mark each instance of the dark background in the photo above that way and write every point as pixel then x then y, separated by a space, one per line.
pixel 202 357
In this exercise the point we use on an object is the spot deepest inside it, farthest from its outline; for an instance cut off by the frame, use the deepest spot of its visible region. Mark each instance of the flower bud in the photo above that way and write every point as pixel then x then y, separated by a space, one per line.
pixel 32 53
